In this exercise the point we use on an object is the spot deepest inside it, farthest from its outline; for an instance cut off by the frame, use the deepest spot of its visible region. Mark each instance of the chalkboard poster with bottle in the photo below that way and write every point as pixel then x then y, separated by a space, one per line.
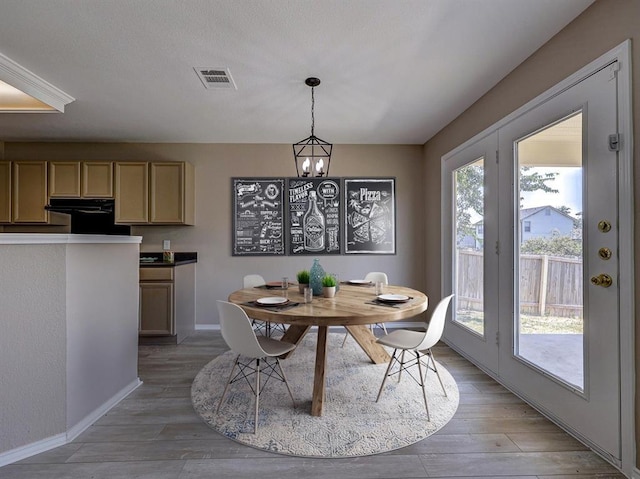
pixel 258 216
pixel 314 216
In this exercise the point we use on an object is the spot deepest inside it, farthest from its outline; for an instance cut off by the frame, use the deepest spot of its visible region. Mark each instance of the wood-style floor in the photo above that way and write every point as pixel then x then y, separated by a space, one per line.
pixel 155 434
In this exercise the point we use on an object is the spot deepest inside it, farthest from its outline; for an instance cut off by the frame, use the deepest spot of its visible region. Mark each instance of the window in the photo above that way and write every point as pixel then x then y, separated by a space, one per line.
pixel 527 226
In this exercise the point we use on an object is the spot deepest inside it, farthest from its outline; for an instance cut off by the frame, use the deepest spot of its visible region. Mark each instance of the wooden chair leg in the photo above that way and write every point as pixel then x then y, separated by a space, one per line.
pixel 255 425
pixel 386 373
pixel 226 387
pixel 422 385
pixel 286 382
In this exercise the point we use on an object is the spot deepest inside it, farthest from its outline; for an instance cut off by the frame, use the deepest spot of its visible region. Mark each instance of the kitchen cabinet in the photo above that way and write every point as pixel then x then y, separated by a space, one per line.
pixel 5 192
pixel 64 179
pixel 29 192
pixel 156 302
pixel 132 192
pixel 97 179
pixel 167 302
pixel 75 179
pixel 171 193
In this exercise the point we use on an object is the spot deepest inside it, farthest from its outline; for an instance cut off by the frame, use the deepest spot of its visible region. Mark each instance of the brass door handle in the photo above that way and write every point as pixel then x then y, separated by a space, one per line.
pixel 603 280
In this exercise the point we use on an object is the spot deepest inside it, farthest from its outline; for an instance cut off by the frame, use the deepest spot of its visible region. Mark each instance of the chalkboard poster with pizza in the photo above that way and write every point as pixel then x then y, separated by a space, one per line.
pixel 370 215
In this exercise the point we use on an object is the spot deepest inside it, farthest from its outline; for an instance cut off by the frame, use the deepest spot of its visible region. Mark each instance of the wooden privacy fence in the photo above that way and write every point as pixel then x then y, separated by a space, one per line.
pixel 549 285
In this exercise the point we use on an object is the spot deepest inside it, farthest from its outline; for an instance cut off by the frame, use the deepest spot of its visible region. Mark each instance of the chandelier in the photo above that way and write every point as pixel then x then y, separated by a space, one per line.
pixel 312 155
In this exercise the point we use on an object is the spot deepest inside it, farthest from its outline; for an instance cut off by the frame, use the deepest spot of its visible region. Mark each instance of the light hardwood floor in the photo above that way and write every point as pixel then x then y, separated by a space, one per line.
pixel 155 434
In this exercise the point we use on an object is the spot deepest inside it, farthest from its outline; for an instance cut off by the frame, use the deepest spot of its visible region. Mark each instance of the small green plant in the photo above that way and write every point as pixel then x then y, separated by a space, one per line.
pixel 303 276
pixel 328 281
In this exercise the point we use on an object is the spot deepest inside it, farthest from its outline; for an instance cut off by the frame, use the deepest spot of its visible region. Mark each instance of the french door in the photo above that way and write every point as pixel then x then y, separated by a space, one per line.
pixel 531 252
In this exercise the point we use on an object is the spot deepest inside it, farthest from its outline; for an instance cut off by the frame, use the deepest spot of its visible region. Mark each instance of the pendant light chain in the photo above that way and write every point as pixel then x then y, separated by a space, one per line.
pixel 313 104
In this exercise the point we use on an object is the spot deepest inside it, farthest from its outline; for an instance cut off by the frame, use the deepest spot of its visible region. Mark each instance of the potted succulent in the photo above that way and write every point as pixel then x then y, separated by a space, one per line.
pixel 303 280
pixel 328 286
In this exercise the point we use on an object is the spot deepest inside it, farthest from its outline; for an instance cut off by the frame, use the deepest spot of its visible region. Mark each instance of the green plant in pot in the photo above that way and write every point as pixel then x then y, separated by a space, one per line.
pixel 303 280
pixel 328 286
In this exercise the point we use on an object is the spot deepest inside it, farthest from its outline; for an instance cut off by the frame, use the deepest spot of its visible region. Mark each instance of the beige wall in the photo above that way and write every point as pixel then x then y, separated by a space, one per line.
pixel 603 26
pixel 218 273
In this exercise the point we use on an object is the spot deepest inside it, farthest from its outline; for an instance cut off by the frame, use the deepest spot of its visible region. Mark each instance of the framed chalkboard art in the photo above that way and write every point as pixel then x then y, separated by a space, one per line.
pixel 370 216
pixel 258 216
pixel 314 216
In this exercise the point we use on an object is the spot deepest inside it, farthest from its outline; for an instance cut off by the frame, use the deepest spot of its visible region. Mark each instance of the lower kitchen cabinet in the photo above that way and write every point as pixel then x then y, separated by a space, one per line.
pixel 156 308
pixel 167 303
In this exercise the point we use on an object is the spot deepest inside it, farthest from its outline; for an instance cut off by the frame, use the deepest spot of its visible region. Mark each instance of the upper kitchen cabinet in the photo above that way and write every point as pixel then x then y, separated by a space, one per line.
pixel 74 179
pixel 97 179
pixel 64 179
pixel 29 192
pixel 5 192
pixel 132 192
pixel 172 193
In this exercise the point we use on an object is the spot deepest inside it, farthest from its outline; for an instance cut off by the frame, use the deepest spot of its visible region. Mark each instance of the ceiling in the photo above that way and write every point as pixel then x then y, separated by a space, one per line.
pixel 392 72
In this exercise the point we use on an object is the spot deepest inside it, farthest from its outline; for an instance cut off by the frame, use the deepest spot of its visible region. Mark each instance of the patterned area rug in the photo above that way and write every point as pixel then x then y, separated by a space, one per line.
pixel 352 424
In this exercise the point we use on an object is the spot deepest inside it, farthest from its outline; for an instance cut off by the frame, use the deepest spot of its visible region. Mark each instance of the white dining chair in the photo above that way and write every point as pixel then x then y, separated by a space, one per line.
pixel 265 327
pixel 253 280
pixel 373 277
pixel 418 344
pixel 242 339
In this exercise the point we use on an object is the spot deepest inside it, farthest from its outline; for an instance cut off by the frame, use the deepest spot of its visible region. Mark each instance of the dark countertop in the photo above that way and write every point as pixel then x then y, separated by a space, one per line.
pixel 179 259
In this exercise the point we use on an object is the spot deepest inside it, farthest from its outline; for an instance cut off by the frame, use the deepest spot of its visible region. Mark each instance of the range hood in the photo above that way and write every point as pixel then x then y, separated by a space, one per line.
pixel 89 216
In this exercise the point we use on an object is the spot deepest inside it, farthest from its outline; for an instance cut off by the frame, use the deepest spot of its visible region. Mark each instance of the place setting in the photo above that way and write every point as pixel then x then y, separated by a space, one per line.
pixel 273 303
pixel 359 282
pixel 390 300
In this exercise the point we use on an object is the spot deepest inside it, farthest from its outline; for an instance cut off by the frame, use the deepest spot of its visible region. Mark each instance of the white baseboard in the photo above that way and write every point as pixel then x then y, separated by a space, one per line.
pixel 61 439
pixel 207 327
pixel 100 411
pixel 22 452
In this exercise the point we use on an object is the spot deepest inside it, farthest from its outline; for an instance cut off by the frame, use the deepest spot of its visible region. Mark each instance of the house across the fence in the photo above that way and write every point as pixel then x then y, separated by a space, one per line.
pixel 539 222
pixel 544 222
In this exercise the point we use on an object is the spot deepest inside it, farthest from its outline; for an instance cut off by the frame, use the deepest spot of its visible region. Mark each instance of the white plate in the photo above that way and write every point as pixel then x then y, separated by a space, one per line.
pixel 359 281
pixel 393 298
pixel 272 301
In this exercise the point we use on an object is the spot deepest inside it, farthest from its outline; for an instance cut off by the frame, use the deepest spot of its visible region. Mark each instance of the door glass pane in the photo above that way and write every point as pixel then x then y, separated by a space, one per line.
pixel 469 252
pixel 549 319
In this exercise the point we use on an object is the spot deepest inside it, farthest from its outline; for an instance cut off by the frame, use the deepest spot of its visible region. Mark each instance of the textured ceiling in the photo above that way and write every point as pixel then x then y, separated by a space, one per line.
pixel 392 72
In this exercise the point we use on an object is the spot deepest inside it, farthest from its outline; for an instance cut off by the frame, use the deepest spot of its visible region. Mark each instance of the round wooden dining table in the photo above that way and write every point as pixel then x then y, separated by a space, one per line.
pixel 354 307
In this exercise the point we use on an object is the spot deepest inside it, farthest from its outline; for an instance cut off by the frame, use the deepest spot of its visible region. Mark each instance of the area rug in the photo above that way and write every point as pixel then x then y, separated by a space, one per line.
pixel 352 424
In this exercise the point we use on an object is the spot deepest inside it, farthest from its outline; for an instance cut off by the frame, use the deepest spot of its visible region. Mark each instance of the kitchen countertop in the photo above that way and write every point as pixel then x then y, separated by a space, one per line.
pixel 179 259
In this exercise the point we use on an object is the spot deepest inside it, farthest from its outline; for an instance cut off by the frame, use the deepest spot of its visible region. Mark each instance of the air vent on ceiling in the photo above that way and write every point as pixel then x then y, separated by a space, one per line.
pixel 215 78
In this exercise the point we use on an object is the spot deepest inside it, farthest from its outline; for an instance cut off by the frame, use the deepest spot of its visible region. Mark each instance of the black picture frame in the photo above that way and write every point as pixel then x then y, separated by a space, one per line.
pixel 308 235
pixel 369 215
pixel 258 227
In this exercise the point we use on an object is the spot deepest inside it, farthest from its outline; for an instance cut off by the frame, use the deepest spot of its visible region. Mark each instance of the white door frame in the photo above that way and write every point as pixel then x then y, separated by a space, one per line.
pixel 622 53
